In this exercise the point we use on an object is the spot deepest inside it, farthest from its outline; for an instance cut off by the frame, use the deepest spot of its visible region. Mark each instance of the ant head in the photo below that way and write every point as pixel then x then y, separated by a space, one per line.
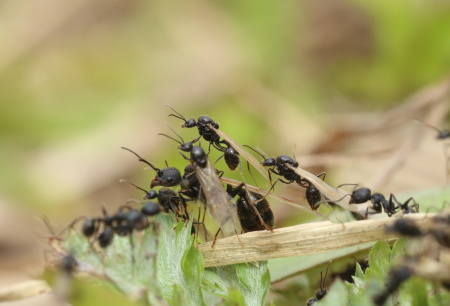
pixel 320 294
pixel 184 146
pixel 189 123
pixel 199 156
pixel 268 162
pixel 167 177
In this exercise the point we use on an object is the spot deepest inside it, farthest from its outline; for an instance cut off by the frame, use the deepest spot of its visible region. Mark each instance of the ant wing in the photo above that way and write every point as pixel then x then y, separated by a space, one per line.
pixel 273 196
pixel 249 157
pixel 328 191
pixel 218 202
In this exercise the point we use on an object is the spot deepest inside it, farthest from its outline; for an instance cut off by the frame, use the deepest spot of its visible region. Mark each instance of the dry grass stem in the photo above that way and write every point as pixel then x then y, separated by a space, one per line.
pixel 304 239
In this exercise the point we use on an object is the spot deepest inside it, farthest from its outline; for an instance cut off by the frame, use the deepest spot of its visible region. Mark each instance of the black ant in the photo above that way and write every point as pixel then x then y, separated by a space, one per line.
pixel 322 292
pixel 312 193
pixel 202 125
pixel 397 276
pixel 217 201
pixel 166 197
pixel 167 177
pixel 379 202
pixel 279 168
pixel 253 210
pixel 230 155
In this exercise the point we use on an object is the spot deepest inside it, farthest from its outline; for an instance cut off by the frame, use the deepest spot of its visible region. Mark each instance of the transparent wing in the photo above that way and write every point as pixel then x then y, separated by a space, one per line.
pixel 330 192
pixel 249 157
pixel 218 202
pixel 275 197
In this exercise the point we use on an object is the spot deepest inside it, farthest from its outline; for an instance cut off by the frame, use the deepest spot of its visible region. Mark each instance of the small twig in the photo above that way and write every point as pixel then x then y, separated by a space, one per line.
pixel 304 239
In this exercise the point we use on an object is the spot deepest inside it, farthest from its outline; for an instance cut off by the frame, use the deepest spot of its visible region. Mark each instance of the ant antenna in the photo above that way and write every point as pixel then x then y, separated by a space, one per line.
pixel 142 160
pixel 182 140
pixel 322 284
pixel 137 187
pixel 259 153
pixel 427 124
pixel 177 113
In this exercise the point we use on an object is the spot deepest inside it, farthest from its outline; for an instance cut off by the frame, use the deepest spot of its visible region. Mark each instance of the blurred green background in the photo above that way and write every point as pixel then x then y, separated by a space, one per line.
pixel 80 79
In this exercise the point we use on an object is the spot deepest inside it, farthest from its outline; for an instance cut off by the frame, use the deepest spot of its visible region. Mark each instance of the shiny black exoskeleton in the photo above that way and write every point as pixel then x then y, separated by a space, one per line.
pixel 312 193
pixel 167 177
pixel 166 197
pixel 203 124
pixel 246 204
pixel 379 202
pixel 279 168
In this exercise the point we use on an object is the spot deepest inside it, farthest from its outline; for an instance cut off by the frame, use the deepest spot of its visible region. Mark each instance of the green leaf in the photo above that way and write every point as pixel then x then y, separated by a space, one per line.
pixel 358 271
pixel 115 263
pixel 379 258
pixel 179 265
pixel 251 279
pixel 399 248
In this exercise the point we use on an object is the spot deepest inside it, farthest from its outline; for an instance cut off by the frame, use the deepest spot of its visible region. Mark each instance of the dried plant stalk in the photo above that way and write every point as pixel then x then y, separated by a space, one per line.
pixel 304 239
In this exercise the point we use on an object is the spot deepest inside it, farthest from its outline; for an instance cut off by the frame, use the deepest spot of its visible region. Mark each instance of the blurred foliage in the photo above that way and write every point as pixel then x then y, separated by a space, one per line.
pixel 78 81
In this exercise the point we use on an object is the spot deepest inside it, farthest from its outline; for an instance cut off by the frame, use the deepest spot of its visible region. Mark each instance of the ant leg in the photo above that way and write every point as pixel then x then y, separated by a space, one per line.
pixel 215 238
pixel 250 172
pixel 218 159
pixel 239 239
pixel 323 174
pixel 356 185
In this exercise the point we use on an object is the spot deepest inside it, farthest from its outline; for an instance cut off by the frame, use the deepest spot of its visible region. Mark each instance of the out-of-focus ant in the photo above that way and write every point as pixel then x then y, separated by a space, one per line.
pixel 405 227
pixel 253 210
pixel 167 177
pixel 322 292
pixel 397 276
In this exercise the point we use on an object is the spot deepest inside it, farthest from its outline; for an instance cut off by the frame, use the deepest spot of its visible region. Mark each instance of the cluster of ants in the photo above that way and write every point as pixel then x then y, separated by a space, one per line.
pixel 202 181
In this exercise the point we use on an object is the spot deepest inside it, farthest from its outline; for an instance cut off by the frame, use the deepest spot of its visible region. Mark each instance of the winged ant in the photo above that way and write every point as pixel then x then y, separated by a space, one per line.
pixel 207 129
pixel 253 210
